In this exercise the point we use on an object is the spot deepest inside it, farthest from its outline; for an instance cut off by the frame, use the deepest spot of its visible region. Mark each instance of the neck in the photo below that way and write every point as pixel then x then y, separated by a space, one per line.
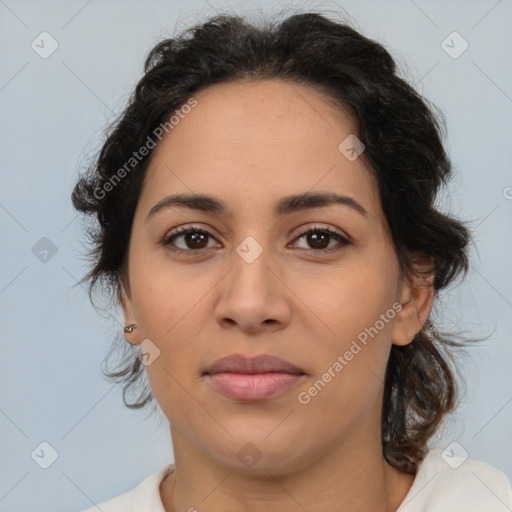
pixel 342 479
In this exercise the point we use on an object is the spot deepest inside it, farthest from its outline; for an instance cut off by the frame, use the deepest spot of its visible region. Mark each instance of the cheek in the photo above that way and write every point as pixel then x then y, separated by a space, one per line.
pixel 352 300
pixel 162 293
pixel 171 307
pixel 357 316
pixel 350 364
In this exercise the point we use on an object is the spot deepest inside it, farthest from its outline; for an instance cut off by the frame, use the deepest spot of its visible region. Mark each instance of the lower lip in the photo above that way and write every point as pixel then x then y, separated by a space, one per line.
pixel 256 386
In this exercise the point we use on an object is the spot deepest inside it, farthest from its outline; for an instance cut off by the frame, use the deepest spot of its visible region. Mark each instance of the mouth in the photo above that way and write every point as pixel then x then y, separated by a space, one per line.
pixel 251 379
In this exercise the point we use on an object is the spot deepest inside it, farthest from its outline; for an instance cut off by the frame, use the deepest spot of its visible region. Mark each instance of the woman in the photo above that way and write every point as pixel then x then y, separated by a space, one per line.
pixel 265 218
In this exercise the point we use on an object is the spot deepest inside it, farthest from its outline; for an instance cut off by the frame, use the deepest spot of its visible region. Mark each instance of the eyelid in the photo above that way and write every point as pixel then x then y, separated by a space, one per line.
pixel 320 227
pixel 344 239
pixel 183 230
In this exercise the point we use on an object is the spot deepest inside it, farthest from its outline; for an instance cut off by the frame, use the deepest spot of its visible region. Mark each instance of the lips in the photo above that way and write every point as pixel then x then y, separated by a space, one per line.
pixel 261 364
pixel 249 379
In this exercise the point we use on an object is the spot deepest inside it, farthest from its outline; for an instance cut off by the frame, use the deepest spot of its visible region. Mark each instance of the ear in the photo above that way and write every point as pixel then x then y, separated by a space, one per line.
pixel 129 317
pixel 417 297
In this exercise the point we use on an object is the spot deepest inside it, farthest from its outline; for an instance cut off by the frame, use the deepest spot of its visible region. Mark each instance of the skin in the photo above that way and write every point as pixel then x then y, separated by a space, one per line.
pixel 250 144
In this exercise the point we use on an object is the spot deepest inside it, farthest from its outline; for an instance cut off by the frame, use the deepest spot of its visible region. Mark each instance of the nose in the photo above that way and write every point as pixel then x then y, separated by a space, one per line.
pixel 253 296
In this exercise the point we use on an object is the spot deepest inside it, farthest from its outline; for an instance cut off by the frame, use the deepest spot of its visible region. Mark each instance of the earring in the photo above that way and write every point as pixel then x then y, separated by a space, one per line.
pixel 130 328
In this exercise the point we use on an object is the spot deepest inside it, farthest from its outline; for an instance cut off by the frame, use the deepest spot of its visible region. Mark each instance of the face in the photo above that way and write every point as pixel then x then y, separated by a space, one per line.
pixel 315 284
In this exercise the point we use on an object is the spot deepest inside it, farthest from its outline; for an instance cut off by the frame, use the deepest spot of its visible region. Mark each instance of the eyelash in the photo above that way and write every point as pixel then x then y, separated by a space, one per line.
pixel 343 241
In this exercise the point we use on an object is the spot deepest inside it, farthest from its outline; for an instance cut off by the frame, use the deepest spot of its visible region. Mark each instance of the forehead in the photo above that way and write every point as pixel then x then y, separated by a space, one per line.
pixel 259 140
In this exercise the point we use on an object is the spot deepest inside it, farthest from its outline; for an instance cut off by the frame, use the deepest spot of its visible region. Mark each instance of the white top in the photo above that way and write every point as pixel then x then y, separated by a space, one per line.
pixel 449 484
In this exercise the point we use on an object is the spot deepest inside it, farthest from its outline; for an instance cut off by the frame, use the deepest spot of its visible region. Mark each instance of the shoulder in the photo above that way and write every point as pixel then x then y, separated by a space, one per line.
pixel 447 482
pixel 144 497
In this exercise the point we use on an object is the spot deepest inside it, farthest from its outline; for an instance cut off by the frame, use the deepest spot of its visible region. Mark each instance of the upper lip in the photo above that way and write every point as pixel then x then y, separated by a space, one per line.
pixel 238 363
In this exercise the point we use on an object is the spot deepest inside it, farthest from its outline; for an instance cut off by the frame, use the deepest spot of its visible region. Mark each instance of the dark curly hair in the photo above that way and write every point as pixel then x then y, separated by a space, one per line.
pixel 403 150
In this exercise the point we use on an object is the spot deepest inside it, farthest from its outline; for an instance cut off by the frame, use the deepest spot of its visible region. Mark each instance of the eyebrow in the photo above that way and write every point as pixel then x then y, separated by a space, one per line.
pixel 284 206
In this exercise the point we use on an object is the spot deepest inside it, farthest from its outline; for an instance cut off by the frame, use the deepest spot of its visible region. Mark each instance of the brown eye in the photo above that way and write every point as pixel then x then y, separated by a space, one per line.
pixel 188 239
pixel 318 239
pixel 195 240
pixel 192 239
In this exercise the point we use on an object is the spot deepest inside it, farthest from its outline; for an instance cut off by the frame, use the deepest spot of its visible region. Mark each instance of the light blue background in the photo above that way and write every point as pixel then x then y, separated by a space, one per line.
pixel 53 115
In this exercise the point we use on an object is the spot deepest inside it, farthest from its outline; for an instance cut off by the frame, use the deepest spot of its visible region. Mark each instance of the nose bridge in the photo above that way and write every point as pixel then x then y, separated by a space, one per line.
pixel 252 293
pixel 251 261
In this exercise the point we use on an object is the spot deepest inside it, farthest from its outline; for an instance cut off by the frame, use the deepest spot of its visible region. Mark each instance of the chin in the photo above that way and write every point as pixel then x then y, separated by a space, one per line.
pixel 258 451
